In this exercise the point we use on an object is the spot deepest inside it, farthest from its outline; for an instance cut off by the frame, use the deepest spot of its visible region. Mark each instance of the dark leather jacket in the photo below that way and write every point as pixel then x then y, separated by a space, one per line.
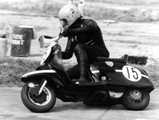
pixel 83 31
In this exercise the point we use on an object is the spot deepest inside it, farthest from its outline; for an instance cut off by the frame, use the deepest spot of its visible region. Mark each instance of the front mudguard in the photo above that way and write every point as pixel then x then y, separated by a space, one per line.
pixel 36 76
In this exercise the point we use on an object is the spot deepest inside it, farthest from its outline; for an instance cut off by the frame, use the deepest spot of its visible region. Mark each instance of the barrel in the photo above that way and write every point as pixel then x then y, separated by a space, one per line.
pixel 21 41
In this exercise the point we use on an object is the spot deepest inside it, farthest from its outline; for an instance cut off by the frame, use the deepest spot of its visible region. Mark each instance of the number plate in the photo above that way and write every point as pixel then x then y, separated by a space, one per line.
pixel 131 73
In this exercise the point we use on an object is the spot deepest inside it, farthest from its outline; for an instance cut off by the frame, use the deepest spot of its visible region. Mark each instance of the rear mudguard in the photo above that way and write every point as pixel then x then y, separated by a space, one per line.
pixel 131 77
pixel 50 75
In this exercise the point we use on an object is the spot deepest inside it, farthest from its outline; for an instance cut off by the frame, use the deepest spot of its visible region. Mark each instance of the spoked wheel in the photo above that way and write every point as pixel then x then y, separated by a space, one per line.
pixel 136 99
pixel 38 102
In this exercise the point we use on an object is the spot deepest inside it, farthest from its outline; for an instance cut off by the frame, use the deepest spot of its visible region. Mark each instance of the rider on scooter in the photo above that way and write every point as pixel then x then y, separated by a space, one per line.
pixel 84 39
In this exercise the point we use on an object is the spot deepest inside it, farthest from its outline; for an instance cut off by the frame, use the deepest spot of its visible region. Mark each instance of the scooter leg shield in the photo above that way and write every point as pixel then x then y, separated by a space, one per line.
pixel 36 76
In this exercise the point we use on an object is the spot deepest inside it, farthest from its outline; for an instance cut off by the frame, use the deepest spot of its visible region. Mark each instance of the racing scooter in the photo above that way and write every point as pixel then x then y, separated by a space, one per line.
pixel 112 81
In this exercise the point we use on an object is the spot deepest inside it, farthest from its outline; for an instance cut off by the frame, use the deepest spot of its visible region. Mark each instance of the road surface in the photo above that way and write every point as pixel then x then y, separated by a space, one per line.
pixel 11 108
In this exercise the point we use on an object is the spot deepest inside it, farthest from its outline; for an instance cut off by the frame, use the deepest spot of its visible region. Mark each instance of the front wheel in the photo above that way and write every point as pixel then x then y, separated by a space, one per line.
pixel 38 103
pixel 136 99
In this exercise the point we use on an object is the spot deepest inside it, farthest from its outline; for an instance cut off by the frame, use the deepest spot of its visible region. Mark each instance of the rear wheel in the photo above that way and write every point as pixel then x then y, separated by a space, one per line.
pixel 35 102
pixel 136 99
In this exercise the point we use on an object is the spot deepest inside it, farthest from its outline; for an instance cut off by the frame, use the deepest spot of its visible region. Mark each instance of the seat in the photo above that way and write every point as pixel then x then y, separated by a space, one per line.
pixel 104 59
pixel 117 63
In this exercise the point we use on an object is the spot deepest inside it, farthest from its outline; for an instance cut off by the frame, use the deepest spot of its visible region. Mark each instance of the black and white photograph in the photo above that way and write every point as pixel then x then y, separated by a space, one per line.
pixel 79 60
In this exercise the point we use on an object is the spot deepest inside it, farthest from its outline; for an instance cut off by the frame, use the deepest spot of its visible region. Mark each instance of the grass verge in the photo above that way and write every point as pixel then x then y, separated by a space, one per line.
pixel 128 2
pixel 11 70
pixel 51 8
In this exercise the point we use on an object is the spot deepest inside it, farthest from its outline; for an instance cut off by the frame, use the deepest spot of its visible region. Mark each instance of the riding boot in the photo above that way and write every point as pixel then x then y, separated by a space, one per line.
pixel 82 60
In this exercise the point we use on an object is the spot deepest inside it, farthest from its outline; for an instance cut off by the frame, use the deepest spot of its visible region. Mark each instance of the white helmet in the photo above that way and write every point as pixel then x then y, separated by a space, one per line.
pixel 70 13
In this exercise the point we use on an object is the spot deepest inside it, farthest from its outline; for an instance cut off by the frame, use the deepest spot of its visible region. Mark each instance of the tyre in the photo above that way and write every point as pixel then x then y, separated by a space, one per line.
pixel 136 99
pixel 38 103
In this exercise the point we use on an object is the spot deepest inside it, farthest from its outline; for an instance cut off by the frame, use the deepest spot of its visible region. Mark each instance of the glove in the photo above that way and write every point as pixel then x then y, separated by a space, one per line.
pixel 65 32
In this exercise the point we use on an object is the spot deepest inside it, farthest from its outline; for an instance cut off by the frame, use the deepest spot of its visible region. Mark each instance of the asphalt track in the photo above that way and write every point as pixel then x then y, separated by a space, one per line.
pixel 11 108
